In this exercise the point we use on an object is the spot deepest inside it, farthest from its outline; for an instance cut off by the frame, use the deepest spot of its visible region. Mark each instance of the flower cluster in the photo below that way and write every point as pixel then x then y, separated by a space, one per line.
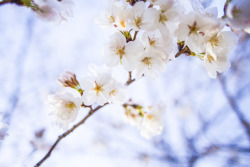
pixel 98 88
pixel 162 27
pixel 147 120
pixel 3 128
pixel 147 35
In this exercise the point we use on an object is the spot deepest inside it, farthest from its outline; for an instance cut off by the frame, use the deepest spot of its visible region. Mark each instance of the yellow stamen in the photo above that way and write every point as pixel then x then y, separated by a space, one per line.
pixel 70 106
pixel 98 88
pixel 146 61
pixel 215 40
pixel 123 23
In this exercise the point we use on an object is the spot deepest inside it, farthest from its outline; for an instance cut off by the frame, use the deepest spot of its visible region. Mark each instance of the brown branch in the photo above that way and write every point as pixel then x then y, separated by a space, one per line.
pixel 91 112
pixel 225 8
pixel 136 32
pixel 184 50
pixel 130 80
pixel 18 2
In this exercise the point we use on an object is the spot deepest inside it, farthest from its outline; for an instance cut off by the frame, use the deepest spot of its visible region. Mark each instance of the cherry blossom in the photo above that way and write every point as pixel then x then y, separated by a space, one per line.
pixel 65 108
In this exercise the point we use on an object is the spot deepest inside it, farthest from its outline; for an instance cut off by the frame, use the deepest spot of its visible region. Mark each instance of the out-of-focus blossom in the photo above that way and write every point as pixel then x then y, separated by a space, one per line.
pixel 65 108
pixel 152 123
pixel 149 121
pixel 238 15
pixel 134 115
pixel 54 10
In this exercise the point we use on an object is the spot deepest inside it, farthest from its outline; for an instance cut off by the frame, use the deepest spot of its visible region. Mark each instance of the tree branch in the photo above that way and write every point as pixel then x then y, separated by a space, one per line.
pixel 184 50
pixel 18 2
pixel 130 80
pixel 91 112
pixel 235 107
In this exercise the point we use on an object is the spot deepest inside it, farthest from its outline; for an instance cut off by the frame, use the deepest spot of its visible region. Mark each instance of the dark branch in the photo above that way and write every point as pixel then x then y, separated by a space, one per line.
pixel 235 107
pixel 18 2
pixel 91 112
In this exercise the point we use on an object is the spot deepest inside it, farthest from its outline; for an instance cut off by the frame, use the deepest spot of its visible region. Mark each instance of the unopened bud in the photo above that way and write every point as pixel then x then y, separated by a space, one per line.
pixel 68 79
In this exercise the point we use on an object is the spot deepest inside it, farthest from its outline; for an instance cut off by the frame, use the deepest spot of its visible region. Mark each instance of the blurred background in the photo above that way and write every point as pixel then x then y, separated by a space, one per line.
pixel 206 120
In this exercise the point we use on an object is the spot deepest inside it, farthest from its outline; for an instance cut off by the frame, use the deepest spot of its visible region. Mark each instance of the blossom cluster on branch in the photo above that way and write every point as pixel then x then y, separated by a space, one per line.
pixel 147 35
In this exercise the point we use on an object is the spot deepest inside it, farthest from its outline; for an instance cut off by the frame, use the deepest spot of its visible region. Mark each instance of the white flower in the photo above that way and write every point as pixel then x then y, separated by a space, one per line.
pixel 117 93
pixel 193 28
pixel 65 108
pixel 219 63
pixel 149 63
pixel 152 123
pixel 217 48
pixel 3 129
pixel 221 43
pixel 238 14
pixel 108 18
pixel 208 12
pixel 96 89
pixel 134 115
pixel 149 122
pixel 155 40
pixel 143 17
pixel 121 19
pixel 54 10
pixel 120 52
pixel 168 16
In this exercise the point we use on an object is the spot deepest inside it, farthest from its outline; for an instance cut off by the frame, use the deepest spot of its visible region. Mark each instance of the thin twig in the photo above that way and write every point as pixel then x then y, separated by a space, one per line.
pixel 235 107
pixel 18 2
pixel 136 32
pixel 91 112
pixel 185 50
pixel 130 80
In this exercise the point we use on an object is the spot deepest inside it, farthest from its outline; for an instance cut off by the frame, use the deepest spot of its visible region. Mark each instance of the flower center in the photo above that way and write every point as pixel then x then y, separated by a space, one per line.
pixel 193 28
pixel 214 41
pixel 152 41
pixel 146 61
pixel 122 23
pixel 236 12
pixel 113 93
pixel 121 52
pixel 163 18
pixel 210 58
pixel 138 22
pixel 70 105
pixel 98 88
